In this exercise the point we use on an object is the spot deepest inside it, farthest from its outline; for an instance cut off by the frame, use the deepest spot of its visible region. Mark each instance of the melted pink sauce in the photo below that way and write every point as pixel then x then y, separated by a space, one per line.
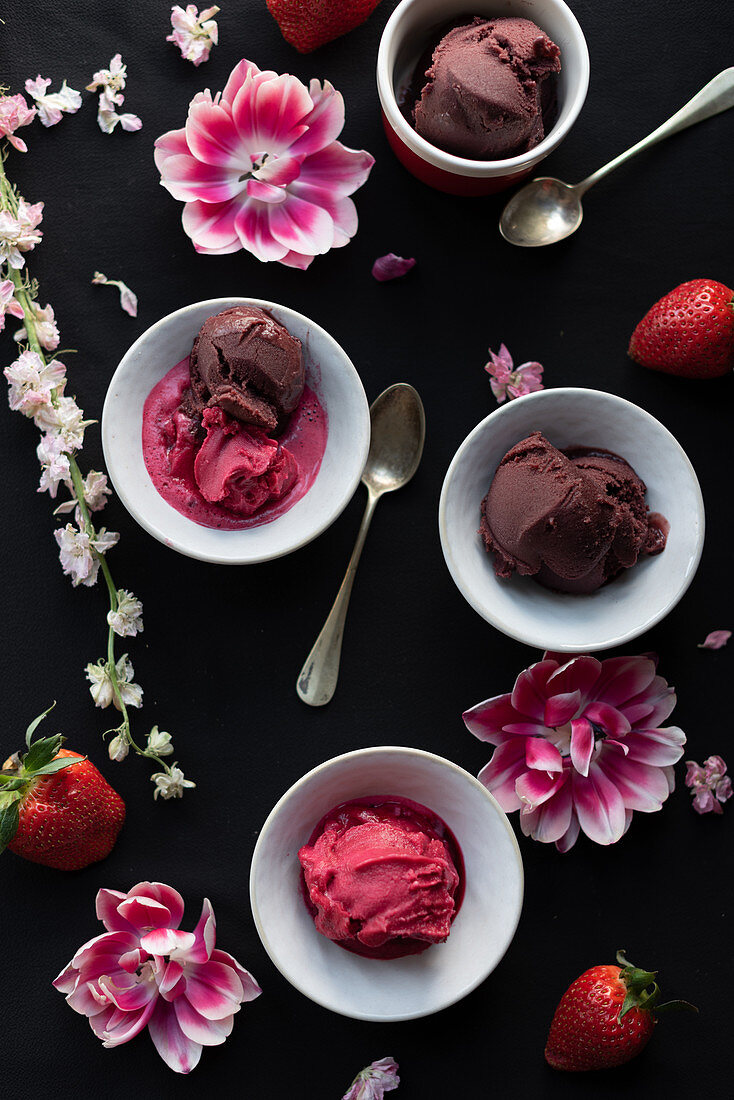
pixel 305 437
pixel 416 818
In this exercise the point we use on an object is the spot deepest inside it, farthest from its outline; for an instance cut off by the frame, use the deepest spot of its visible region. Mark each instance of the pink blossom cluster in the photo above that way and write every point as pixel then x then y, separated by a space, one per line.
pixel 710 785
pixel 194 34
pixel 374 1081
pixel 144 971
pixel 509 381
pixel 110 83
pixel 258 167
pixel 579 746
pixel 14 113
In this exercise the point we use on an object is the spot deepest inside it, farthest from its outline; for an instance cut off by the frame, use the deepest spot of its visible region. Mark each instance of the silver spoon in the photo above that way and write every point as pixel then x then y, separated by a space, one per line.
pixel 547 210
pixel 396 446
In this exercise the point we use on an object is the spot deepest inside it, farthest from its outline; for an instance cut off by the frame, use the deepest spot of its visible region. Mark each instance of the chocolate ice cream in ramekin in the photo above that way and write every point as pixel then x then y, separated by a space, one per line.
pixel 442 152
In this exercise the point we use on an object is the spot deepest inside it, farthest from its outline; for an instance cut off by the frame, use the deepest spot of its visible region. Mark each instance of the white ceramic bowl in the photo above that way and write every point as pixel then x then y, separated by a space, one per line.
pixel 329 372
pixel 384 990
pixel 404 39
pixel 630 604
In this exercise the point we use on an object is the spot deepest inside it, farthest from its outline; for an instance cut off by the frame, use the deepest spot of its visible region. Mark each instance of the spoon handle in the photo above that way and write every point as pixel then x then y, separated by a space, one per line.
pixel 316 683
pixel 716 96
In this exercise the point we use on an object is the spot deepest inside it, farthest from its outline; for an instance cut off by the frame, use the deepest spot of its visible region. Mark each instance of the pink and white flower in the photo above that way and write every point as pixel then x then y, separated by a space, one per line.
pixel 33 382
pixel 579 746
pixel 8 302
pixel 509 381
pixel 710 785
pixel 14 113
pixel 55 468
pixel 102 688
pixel 51 108
pixel 110 83
pixel 194 34
pixel 145 972
pixel 47 332
pixel 374 1081
pixel 127 620
pixel 80 552
pixel 19 234
pixel 259 167
pixel 64 417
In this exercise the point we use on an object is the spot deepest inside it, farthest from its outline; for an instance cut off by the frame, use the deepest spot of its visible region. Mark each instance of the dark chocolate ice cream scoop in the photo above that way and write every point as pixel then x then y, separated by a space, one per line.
pixel 572 519
pixel 248 364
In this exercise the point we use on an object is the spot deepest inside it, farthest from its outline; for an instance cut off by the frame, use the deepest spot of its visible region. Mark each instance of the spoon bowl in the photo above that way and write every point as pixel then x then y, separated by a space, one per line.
pixel 396 444
pixel 546 210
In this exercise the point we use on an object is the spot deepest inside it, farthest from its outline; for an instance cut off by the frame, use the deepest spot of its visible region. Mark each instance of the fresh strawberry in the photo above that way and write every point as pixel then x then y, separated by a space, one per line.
pixel 605 1018
pixel 308 24
pixel 55 807
pixel 689 332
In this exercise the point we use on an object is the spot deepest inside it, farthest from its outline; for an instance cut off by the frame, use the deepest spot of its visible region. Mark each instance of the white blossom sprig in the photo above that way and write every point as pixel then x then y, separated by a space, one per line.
pixel 37 386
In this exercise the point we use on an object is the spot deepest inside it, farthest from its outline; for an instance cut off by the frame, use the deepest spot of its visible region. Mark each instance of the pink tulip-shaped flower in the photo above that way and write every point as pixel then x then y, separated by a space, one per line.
pixel 144 972
pixel 259 167
pixel 579 746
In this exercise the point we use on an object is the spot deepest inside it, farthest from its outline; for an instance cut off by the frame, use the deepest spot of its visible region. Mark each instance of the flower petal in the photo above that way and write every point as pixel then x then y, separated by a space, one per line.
pixel 599 806
pixel 250 988
pixel 205 935
pixel 612 721
pixel 325 121
pixel 337 168
pixel 171 983
pixel 561 708
pixel 642 787
pixel 485 720
pixel 533 788
pixel 144 913
pixel 106 905
pixel 269 112
pixel 342 210
pixel 129 999
pixel 162 941
pixel 301 226
pixel 500 775
pixel 213 988
pixel 180 1053
pixel 529 693
pixel 569 838
pixel 658 747
pixel 211 226
pixel 120 1027
pixel 540 754
pixel 553 817
pixel 209 1033
pixel 252 224
pixel 624 677
pixel 237 78
pixel 163 894
pixel 212 138
pixel 652 706
pixel 578 673
pixel 265 192
pixel 189 179
pixel 582 745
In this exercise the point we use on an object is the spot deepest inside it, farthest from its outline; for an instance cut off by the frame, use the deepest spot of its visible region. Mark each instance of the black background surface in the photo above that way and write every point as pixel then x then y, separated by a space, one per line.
pixel 222 646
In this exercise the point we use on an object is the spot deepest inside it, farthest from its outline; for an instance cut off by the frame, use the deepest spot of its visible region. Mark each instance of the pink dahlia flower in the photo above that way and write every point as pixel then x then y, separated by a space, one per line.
pixel 259 167
pixel 144 972
pixel 579 745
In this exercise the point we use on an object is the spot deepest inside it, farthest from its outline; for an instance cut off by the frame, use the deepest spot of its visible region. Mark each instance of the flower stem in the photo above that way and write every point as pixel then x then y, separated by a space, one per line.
pixel 24 297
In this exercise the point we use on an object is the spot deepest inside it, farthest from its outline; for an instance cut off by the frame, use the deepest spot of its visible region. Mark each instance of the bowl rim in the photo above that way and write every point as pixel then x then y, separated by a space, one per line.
pixel 464 166
pixel 527 638
pixel 354 756
pixel 154 529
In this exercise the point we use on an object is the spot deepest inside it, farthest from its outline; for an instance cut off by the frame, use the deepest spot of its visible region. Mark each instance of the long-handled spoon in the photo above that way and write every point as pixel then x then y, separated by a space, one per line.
pixel 396 446
pixel 547 210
